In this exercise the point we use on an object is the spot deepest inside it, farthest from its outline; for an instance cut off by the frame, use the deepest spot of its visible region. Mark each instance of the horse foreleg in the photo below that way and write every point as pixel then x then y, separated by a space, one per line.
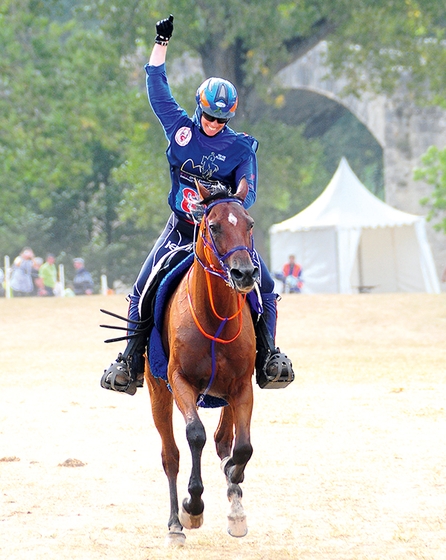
pixel 162 408
pixel 234 466
pixel 191 514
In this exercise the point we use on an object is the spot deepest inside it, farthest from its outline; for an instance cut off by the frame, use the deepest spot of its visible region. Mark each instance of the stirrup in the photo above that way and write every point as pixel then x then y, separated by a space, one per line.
pixel 118 378
pixel 276 372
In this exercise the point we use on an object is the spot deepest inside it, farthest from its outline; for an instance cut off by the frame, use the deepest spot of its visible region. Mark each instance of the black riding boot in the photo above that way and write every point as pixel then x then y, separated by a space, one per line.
pixel 274 369
pixel 127 372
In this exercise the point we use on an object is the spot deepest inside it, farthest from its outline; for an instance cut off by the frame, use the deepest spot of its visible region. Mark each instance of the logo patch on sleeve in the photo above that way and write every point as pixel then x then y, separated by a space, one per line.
pixel 183 136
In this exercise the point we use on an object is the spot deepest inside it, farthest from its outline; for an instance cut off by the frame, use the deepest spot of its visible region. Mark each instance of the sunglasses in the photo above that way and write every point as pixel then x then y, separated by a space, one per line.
pixel 212 119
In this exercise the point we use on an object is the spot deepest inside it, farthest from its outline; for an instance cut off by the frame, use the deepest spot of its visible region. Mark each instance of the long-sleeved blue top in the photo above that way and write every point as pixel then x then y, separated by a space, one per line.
pixel 226 157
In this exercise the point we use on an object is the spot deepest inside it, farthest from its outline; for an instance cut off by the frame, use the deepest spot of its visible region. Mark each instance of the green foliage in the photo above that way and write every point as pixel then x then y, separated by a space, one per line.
pixel 371 43
pixel 291 175
pixel 83 169
pixel 349 138
pixel 434 173
pixel 384 45
pixel 67 117
pixel 287 183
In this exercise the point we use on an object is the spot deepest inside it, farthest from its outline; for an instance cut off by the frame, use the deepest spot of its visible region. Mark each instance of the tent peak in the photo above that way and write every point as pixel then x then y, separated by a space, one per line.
pixel 346 203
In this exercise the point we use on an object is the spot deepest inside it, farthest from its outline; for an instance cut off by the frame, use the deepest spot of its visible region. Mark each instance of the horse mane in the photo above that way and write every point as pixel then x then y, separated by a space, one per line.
pixel 217 191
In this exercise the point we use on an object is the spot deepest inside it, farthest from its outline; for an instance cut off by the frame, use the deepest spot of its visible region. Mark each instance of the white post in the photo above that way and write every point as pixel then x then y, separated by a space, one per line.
pixel 7 277
pixel 62 280
pixel 104 287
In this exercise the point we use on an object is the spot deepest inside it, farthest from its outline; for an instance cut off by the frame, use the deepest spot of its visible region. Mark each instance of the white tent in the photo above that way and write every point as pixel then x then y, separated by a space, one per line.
pixel 349 241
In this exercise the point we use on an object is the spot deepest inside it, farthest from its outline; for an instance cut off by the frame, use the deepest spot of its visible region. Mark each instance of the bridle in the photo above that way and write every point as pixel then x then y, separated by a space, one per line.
pixel 210 249
pixel 209 268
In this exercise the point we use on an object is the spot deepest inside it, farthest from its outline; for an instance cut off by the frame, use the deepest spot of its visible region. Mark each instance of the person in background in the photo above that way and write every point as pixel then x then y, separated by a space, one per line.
pixel 292 276
pixel 22 284
pixel 82 282
pixel 48 276
pixel 37 281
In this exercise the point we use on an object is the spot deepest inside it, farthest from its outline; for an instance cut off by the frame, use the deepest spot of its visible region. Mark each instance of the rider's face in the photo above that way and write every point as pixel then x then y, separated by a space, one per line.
pixel 211 128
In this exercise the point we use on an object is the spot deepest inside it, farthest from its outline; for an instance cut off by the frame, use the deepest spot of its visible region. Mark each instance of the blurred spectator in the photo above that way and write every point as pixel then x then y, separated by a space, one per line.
pixel 82 281
pixel 443 276
pixel 48 276
pixel 22 284
pixel 37 281
pixel 291 276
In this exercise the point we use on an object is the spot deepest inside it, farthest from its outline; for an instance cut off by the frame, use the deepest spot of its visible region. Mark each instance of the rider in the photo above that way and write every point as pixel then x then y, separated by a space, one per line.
pixel 202 147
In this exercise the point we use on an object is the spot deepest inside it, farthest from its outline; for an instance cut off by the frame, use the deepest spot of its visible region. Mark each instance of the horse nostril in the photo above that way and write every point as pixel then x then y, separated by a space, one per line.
pixel 245 277
pixel 236 274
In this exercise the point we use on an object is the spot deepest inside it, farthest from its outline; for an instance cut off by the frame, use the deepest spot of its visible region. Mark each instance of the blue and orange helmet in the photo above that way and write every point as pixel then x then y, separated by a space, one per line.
pixel 217 97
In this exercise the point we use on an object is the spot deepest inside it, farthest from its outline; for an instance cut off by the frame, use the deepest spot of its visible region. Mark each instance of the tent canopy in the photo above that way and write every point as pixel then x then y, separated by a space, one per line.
pixel 348 240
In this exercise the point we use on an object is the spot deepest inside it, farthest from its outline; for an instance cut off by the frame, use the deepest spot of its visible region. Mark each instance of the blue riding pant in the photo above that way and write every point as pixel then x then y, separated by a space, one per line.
pixel 178 233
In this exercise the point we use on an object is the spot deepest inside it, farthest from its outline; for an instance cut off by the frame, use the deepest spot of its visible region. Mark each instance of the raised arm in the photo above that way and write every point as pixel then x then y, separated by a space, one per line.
pixel 164 30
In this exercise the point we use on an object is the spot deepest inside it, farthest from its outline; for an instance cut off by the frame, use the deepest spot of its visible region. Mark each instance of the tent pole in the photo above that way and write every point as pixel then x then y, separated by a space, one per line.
pixel 360 275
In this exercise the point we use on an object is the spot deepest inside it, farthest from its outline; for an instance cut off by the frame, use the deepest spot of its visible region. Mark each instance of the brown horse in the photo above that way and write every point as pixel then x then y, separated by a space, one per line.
pixel 209 338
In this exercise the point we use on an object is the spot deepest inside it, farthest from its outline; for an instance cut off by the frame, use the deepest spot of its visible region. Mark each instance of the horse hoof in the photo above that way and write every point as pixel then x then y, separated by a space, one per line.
pixel 237 526
pixel 189 521
pixel 175 538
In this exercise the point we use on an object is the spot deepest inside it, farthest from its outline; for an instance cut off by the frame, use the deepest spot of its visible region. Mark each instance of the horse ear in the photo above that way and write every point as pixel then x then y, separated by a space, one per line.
pixel 242 189
pixel 202 190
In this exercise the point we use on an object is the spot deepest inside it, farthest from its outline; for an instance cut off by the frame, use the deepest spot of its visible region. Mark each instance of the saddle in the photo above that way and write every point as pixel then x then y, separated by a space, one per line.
pixel 162 285
pixel 279 364
pixel 153 301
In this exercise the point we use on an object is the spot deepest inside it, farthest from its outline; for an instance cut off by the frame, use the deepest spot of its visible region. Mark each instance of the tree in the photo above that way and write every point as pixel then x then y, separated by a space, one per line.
pixel 287 184
pixel 385 45
pixel 248 42
pixel 66 115
pixel 378 45
pixel 83 168
pixel 214 32
pixel 434 173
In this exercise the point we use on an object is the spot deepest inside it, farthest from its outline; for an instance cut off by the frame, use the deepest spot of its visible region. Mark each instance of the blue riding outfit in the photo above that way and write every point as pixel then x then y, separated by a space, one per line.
pixel 220 158
pixel 224 158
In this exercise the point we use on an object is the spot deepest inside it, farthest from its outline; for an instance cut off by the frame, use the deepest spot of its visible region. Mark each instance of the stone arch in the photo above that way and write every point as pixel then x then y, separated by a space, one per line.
pixel 404 131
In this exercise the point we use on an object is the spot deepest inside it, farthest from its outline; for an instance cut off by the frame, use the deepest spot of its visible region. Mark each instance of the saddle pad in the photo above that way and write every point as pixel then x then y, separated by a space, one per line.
pixel 157 357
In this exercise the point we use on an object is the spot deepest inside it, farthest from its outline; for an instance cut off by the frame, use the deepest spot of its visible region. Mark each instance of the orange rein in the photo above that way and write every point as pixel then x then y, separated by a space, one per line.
pixel 225 319
pixel 241 304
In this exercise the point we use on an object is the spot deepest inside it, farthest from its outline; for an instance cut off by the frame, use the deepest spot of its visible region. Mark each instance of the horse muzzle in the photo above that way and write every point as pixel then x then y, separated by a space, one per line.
pixel 245 278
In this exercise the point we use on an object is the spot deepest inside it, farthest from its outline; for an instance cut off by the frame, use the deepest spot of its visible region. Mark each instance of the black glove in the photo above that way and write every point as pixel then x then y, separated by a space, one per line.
pixel 164 30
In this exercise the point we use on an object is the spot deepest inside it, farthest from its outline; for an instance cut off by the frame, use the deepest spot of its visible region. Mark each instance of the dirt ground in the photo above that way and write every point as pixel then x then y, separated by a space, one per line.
pixel 349 461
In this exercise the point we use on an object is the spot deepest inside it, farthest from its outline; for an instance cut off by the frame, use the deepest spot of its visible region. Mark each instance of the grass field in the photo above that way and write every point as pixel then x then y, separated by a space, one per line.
pixel 349 461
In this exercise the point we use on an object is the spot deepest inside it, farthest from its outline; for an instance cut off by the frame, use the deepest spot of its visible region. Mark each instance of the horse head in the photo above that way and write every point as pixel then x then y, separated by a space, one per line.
pixel 226 232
